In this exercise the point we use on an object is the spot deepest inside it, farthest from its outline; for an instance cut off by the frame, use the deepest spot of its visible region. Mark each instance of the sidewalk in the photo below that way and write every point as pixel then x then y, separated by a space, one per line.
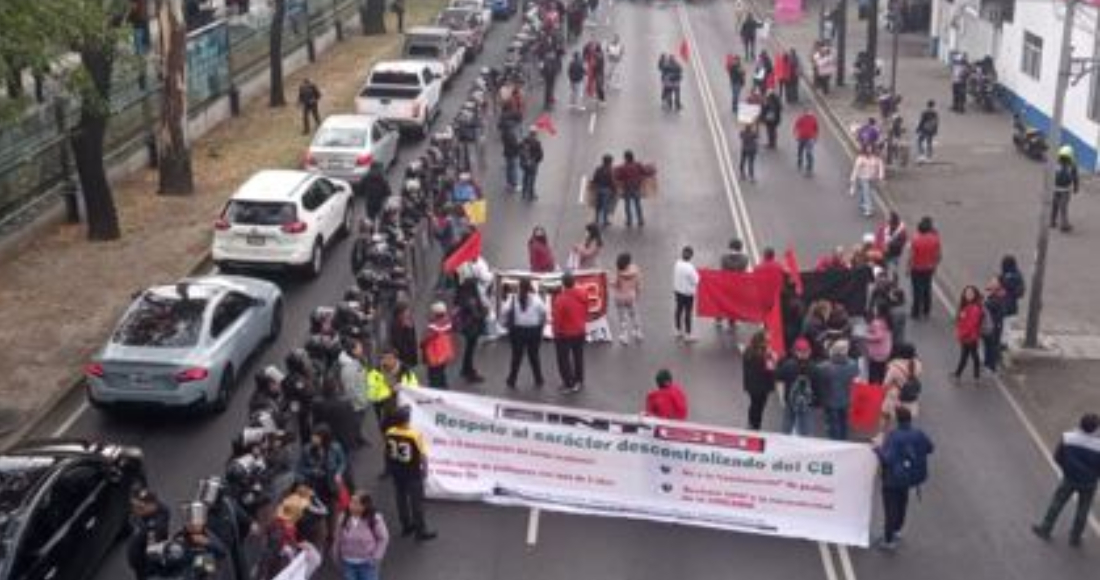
pixel 984 198
pixel 61 295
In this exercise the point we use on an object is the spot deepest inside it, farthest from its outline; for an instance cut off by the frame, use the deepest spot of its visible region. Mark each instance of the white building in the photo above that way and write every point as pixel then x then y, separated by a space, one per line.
pixel 1024 37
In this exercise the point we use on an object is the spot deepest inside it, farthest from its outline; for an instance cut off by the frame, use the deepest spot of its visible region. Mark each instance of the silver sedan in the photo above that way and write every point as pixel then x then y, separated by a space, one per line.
pixel 183 345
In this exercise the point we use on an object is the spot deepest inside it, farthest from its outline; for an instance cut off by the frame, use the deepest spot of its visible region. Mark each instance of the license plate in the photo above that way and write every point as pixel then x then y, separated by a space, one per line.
pixel 255 240
pixel 140 381
pixel 337 164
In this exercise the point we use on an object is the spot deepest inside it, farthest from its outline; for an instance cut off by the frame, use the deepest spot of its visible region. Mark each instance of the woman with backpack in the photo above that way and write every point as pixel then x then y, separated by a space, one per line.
pixel 902 383
pixel 1012 281
pixel 524 315
pixel 361 539
pixel 968 330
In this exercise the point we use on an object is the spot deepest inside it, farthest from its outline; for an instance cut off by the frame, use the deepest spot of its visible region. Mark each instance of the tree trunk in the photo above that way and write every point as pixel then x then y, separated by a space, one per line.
pixel 14 83
pixel 277 98
pixel 174 151
pixel 373 15
pixel 87 145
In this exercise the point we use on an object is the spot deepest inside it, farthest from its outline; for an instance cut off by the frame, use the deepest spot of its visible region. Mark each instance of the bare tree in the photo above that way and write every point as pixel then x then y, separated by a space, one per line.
pixel 372 16
pixel 176 177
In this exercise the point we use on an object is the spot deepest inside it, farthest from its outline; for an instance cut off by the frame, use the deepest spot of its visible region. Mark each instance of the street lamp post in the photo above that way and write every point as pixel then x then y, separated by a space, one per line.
pixel 841 40
pixel 895 24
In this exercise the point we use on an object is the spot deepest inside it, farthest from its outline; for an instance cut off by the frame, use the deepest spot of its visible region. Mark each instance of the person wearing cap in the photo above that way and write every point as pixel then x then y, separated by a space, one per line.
pixel 149 520
pixel 437 345
pixel 1078 456
pixel 801 392
pixel 569 318
pixel 530 157
pixel 838 372
pixel 668 400
pixel 407 459
pixel 1065 184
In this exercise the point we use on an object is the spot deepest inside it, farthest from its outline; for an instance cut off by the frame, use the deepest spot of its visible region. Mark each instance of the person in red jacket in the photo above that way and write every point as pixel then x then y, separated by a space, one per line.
pixel 924 257
pixel 805 133
pixel 968 330
pixel 569 314
pixel 539 254
pixel 668 400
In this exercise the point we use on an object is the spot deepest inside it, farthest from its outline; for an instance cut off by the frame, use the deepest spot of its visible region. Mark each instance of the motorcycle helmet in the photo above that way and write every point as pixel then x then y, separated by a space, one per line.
pixel 297 362
pixel 210 490
pixel 1065 152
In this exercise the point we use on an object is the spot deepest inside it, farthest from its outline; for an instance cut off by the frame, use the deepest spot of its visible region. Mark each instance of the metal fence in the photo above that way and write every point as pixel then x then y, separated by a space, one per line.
pixel 221 55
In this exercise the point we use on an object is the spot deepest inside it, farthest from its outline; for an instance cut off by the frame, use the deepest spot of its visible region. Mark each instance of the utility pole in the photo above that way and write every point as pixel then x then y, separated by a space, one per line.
pixel 841 39
pixel 1065 60
pixel 895 24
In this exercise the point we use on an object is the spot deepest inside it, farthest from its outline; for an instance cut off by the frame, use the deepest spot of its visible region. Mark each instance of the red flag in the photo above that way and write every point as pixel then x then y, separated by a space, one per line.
pixel 546 123
pixel 685 50
pixel 866 406
pixel 468 251
pixel 733 296
pixel 792 270
pixel 774 325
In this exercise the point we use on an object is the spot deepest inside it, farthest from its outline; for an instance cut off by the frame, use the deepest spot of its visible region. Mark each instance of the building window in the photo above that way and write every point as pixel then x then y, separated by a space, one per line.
pixel 1031 62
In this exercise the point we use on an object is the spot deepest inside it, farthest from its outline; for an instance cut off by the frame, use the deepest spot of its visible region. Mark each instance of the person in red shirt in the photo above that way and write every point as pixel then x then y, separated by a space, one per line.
pixel 668 400
pixel 968 330
pixel 805 133
pixel 770 268
pixel 569 314
pixel 924 257
pixel 539 254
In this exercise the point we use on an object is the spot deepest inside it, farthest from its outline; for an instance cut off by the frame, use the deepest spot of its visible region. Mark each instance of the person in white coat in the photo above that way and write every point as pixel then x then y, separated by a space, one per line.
pixel 685 281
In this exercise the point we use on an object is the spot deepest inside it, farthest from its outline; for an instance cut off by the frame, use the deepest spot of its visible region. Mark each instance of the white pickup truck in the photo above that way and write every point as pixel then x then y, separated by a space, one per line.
pixel 404 92
pixel 435 43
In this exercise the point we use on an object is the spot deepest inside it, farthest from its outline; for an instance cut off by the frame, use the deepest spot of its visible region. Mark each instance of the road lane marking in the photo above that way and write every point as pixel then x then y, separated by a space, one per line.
pixel 580 190
pixel 827 561
pixel 533 527
pixel 70 420
pixel 592 123
pixel 846 561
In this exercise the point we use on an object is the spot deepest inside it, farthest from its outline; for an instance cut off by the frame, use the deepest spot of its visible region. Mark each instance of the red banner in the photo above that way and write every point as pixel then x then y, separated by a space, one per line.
pixel 467 251
pixel 866 406
pixel 734 295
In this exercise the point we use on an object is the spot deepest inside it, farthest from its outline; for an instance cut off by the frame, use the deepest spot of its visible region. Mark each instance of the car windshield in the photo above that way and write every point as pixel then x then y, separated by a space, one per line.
pixel 19 478
pixel 162 320
pixel 455 20
pixel 422 50
pixel 344 137
pixel 394 77
pixel 260 213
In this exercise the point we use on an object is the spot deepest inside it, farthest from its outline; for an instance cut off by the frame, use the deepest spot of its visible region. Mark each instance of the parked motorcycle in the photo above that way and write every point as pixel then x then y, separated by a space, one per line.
pixel 1028 140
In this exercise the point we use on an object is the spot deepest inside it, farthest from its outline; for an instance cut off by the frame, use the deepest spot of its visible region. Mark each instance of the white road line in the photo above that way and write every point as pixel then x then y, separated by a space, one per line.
pixel 533 527
pixel 581 189
pixel 592 123
pixel 827 561
pixel 846 562
pixel 70 420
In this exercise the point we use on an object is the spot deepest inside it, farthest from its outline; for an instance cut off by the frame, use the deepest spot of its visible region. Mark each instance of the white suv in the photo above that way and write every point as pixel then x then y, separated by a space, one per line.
pixel 282 218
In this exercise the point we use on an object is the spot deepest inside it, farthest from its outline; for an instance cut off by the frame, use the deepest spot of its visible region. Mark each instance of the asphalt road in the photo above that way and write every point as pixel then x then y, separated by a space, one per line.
pixel 988 479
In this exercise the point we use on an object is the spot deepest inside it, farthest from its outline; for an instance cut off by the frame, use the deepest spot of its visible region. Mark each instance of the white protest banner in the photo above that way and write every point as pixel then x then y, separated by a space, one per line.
pixel 580 461
pixel 297 569
pixel 592 282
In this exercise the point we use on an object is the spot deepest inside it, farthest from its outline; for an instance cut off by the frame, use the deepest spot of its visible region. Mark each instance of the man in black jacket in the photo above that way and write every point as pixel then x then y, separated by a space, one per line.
pixel 530 157
pixel 1078 455
pixel 376 190
pixel 149 520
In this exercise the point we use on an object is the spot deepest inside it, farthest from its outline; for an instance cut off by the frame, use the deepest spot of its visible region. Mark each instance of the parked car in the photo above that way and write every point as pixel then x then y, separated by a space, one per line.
pixel 282 218
pixel 184 344
pixel 501 9
pixel 404 92
pixel 345 146
pixel 63 505
pixel 482 6
pixel 435 43
pixel 468 26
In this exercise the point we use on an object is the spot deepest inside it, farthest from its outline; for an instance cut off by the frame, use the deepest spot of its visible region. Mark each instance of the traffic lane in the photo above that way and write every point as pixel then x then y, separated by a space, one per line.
pixel 690 210
pixel 988 481
pixel 181 450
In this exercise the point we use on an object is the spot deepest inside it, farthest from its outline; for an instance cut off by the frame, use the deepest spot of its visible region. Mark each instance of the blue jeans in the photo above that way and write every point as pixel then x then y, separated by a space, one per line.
pixel 633 202
pixel 359 571
pixel 736 90
pixel 511 171
pixel 798 423
pixel 603 206
pixel 865 191
pixel 529 176
pixel 806 154
pixel 836 424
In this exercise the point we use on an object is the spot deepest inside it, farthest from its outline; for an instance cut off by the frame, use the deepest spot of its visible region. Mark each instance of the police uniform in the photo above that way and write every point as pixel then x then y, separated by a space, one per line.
pixel 148 529
pixel 406 459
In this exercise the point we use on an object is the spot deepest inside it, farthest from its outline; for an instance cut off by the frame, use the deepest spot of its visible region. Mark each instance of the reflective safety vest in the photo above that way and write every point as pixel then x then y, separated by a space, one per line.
pixel 379 390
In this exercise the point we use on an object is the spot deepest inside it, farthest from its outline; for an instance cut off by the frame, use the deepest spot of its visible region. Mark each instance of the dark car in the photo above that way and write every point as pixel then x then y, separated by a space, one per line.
pixel 63 505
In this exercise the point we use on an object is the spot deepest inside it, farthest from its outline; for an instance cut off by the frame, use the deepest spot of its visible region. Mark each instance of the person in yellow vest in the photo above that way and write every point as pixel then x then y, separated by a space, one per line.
pixel 407 460
pixel 382 382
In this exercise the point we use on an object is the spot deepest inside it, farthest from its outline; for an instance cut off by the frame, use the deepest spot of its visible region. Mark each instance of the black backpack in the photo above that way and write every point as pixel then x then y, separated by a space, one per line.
pixel 911 388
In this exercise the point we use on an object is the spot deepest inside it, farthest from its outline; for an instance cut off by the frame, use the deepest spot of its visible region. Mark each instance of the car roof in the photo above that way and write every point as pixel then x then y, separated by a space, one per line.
pixel 406 65
pixel 465 9
pixel 273 185
pixel 196 290
pixel 427 31
pixel 349 121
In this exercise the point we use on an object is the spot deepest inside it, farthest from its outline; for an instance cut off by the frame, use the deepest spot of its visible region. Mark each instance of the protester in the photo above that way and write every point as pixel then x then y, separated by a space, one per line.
pixel 878 344
pixel 891 238
pixel 438 345
pixel 749 28
pixel 323 465
pixel 471 315
pixel 867 171
pixel 824 65
pixel 762 73
pixel 576 73
pixel 837 375
pixel 1066 184
pixel 403 336
pixel 530 157
pixel 924 258
pixel 994 306
pixel 511 147
pixel 904 457
pixel 927 127
pixel 801 389
pixel 685 282
pixel 625 292
pixel 968 328
pixel 737 80
pixel 586 253
pixel 805 133
pixel 750 143
pixel 629 177
pixel 902 383
pixel 1078 456
pixel 382 384
pixel 672 75
pixel 540 256
pixel 771 114
pixel 668 400
pixel 361 539
pixel 309 99
pixel 758 376
pixel 794 71
pixel 407 458
pixel 569 317
pixel 525 317
pixel 550 66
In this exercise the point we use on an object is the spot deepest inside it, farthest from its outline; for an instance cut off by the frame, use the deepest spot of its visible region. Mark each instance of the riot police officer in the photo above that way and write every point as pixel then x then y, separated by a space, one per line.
pixel 150 520
pixel 407 461
pixel 197 553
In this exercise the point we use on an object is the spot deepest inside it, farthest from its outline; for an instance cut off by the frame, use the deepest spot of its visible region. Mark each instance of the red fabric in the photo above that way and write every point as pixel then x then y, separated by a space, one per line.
pixel 782 70
pixel 730 59
pixel 439 348
pixel 791 260
pixel 540 257
pixel 805 127
pixel 924 252
pixel 667 403
pixel 865 406
pixel 570 313
pixel 968 325
pixel 733 295
pixel 773 274
pixel 774 325
pixel 545 123
pixel 468 251
pixel 684 50
pixel 343 497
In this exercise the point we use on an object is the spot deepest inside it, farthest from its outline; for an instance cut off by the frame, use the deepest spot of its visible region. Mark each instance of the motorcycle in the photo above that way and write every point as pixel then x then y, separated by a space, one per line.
pixel 1028 140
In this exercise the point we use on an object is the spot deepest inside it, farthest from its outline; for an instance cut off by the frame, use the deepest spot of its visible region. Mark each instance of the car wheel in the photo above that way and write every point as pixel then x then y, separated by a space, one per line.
pixel 316 260
pixel 225 387
pixel 276 322
pixel 349 221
